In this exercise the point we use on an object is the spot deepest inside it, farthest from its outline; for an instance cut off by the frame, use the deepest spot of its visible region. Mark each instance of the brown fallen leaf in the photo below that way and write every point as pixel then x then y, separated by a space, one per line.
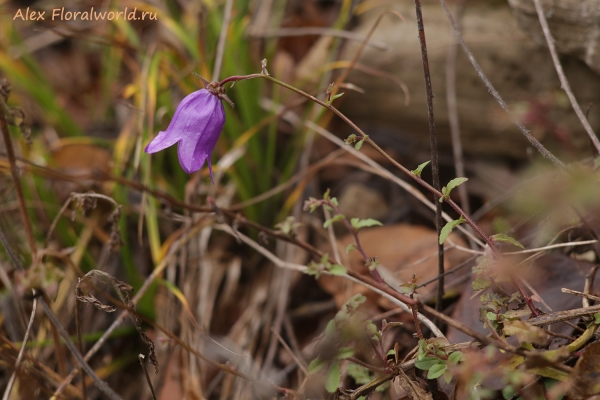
pixel 525 333
pixel 402 250
pixel 585 379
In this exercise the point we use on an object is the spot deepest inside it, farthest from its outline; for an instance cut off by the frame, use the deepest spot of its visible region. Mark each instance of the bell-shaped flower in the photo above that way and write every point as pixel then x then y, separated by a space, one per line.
pixel 195 127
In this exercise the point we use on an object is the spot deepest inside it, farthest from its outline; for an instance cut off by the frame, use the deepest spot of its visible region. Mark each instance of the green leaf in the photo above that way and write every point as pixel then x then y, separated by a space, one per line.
pixel 360 374
pixel 447 229
pixel 372 330
pixel 350 247
pixel 359 144
pixel 447 376
pixel 597 318
pixel 501 237
pixel 491 316
pixel 436 371
pixel 420 168
pixel 345 352
pixel 427 362
pixel 372 263
pixel 337 96
pixel 330 329
pixel 358 223
pixel 337 269
pixel 332 381
pixel 451 185
pixel 350 139
pixel 333 219
pixel 355 301
pixel 508 392
pixel 315 365
pixel 456 357
pixel 480 283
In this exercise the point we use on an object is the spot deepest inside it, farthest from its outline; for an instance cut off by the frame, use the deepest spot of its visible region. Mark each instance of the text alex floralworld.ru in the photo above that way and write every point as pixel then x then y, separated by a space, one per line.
pixel 59 14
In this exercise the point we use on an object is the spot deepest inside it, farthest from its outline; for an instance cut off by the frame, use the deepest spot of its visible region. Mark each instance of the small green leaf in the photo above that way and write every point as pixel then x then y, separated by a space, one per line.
pixel 508 392
pixel 447 376
pixel 350 139
pixel 333 219
pixel 332 381
pixel 372 330
pixel 597 318
pixel 447 229
pixel 360 374
pixel 491 316
pixel 480 283
pixel 501 237
pixel 337 96
pixel 358 223
pixel 315 365
pixel 456 357
pixel 337 269
pixel 372 263
pixel 420 168
pixel 427 362
pixel 354 302
pixel 359 144
pixel 350 247
pixel 436 371
pixel 330 329
pixel 345 352
pixel 451 185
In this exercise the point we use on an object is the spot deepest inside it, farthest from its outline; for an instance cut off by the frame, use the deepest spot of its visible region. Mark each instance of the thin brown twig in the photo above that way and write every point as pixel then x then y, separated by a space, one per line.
pixel 80 344
pixel 485 340
pixel 360 50
pixel 526 132
pixel 51 377
pixel 11 381
pixel 564 82
pixel 589 284
pixel 453 118
pixel 435 167
pixel 155 273
pixel 12 160
pixel 73 349
pixel 290 351
pixel 222 40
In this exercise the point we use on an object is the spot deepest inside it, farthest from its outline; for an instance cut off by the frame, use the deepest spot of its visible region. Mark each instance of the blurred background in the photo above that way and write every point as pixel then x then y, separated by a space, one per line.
pixel 86 97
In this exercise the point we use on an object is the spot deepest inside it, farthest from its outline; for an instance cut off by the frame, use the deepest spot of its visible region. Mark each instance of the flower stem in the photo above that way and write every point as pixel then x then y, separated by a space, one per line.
pixel 419 180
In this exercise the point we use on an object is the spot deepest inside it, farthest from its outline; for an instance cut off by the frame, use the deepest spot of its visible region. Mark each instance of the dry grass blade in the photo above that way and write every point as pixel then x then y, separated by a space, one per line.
pixel 11 381
pixel 564 82
pixel 71 346
pixel 540 147
pixel 124 292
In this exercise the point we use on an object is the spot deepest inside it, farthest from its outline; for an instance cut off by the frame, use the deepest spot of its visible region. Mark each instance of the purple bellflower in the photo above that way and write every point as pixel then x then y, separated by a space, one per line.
pixel 195 127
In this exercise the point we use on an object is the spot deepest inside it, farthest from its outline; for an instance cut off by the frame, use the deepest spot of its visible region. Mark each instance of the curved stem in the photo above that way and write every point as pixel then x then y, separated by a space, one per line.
pixel 418 179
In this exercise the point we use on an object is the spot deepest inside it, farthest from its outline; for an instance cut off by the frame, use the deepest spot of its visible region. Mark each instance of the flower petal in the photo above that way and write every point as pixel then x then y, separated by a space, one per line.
pixel 194 149
pixel 163 140
pixel 190 113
